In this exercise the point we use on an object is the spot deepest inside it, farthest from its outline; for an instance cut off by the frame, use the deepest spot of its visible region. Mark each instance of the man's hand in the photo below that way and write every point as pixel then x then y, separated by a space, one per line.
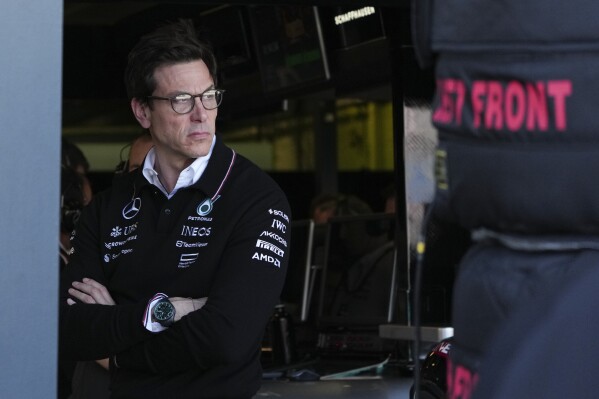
pixel 90 291
pixel 184 306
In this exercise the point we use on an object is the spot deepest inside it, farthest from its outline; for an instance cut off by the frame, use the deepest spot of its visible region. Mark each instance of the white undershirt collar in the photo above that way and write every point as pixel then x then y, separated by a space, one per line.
pixel 187 177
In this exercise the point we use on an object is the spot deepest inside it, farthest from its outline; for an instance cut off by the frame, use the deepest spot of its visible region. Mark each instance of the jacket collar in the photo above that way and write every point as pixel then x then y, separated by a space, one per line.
pixel 214 177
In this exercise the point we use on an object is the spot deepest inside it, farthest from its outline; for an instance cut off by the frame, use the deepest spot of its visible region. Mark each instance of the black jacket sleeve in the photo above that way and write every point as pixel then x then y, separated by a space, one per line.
pixel 94 331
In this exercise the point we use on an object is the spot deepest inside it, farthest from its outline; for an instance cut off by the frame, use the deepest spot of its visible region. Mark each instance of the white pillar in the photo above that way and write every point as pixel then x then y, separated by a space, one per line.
pixel 30 108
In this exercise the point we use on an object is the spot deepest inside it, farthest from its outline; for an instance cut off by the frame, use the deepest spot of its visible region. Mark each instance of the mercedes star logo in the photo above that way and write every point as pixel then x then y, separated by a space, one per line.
pixel 132 208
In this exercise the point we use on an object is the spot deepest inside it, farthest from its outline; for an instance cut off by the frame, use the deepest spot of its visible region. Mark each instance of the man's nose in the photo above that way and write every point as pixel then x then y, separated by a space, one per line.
pixel 199 112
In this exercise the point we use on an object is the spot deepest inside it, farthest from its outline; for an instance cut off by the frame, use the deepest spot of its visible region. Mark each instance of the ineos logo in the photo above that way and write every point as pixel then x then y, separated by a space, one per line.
pixel 132 208
pixel 189 231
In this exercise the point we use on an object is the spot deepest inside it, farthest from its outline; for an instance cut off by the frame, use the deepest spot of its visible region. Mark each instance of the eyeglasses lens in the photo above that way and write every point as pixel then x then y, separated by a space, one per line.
pixel 184 103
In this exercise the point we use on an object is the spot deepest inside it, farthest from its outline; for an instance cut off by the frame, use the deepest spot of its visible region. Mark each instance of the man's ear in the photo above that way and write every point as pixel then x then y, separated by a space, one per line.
pixel 141 112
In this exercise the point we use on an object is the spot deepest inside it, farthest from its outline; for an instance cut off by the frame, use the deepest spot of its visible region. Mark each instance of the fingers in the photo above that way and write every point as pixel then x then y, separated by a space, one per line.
pixel 82 296
pixel 184 306
pixel 99 292
pixel 91 292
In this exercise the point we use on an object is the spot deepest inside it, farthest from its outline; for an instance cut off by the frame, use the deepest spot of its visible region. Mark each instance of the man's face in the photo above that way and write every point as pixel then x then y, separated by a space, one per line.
pixel 179 137
pixel 324 212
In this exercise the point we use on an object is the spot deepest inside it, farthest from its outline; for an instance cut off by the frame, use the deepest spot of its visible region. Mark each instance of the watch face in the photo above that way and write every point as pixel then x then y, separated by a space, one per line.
pixel 163 311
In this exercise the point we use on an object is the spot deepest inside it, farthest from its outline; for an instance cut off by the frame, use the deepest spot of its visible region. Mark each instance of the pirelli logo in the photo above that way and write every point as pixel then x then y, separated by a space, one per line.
pixel 270 247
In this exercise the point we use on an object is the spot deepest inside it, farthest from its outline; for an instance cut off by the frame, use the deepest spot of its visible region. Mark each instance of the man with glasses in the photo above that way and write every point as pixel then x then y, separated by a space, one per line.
pixel 196 220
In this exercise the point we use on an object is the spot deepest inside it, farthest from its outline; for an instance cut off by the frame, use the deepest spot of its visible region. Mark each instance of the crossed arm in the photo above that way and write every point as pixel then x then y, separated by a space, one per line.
pixel 90 291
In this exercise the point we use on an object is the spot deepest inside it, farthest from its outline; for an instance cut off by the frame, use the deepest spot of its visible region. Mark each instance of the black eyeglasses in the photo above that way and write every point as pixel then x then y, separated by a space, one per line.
pixel 183 103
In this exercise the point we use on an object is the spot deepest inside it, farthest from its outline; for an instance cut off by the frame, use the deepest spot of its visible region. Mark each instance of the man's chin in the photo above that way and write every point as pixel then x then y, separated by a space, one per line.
pixel 199 148
pixel 198 151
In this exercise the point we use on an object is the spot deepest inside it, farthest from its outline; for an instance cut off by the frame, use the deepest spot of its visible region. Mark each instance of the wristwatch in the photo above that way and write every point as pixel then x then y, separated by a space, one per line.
pixel 163 312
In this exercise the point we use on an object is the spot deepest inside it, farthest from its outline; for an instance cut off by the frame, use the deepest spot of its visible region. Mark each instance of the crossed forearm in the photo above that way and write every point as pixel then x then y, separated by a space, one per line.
pixel 89 291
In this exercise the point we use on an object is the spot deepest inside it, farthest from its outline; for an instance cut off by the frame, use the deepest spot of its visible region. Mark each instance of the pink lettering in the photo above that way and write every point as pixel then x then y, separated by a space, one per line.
pixel 452 93
pixel 537 107
pixel 510 106
pixel 449 377
pixel 514 106
pixel 479 89
pixel 443 113
pixel 494 111
pixel 559 90
pixel 460 381
pixel 460 91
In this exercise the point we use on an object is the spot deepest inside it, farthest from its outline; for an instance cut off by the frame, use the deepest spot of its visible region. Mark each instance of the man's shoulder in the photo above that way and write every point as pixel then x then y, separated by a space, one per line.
pixel 253 174
pixel 246 164
pixel 250 180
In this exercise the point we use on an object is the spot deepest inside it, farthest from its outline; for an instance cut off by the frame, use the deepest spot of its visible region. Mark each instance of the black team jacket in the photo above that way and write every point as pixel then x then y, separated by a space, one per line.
pixel 225 237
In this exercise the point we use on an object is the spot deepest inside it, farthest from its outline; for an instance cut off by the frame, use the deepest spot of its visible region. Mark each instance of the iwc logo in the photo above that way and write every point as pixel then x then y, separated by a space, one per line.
pixel 206 206
pixel 132 208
